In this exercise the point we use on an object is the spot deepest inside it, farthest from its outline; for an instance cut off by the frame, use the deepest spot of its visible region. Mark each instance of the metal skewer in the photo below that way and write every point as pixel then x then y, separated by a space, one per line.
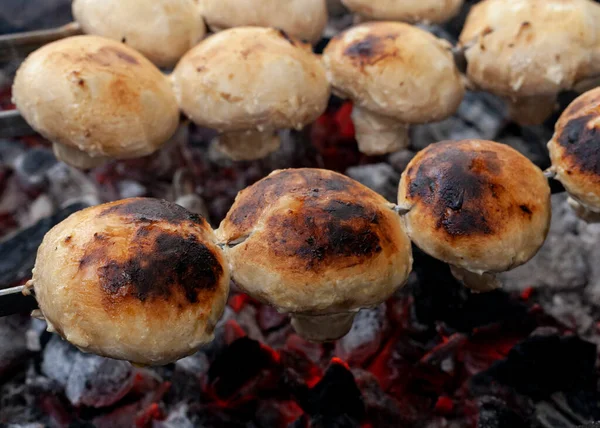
pixel 13 301
pixel 19 45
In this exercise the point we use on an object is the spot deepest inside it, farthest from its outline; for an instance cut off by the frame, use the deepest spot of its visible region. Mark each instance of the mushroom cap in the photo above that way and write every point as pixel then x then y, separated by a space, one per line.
pixel 475 204
pixel 395 70
pixel 162 30
pixel 138 279
pixel 303 19
pixel 435 11
pixel 531 47
pixel 251 78
pixel 314 241
pixel 97 95
pixel 575 149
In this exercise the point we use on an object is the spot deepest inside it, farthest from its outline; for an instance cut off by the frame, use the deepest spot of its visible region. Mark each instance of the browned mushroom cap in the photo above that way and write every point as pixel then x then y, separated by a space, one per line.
pixel 247 83
pixel 397 75
pixel 480 206
pixel 303 19
pixel 526 51
pixel 95 98
pixel 162 30
pixel 137 279
pixel 434 11
pixel 575 153
pixel 318 245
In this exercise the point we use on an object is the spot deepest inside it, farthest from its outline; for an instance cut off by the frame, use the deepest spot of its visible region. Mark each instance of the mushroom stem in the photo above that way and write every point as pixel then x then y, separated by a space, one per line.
pixel 248 145
pixel 77 158
pixel 476 282
pixel 323 328
pixel 377 134
pixel 583 212
pixel 531 110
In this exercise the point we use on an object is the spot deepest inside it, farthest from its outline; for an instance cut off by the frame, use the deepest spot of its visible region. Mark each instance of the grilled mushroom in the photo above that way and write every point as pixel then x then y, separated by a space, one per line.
pixel 575 153
pixel 477 205
pixel 433 11
pixel 162 30
pixel 397 75
pixel 317 245
pixel 95 99
pixel 303 19
pixel 526 51
pixel 138 279
pixel 247 83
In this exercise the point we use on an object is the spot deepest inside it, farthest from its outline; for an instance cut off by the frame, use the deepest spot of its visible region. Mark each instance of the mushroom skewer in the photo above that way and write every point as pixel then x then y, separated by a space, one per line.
pixel 94 99
pixel 14 301
pixel 138 279
pixel 162 32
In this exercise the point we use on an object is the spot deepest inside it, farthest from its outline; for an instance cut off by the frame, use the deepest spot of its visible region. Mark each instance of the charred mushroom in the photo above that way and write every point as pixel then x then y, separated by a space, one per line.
pixel 413 11
pixel 138 279
pixel 480 206
pixel 248 83
pixel 526 51
pixel 317 245
pixel 397 75
pixel 162 30
pixel 95 99
pixel 575 153
pixel 303 19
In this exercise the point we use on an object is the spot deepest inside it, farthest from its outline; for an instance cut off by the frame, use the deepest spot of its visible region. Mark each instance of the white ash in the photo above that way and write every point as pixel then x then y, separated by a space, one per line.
pixel 365 337
pixel 380 177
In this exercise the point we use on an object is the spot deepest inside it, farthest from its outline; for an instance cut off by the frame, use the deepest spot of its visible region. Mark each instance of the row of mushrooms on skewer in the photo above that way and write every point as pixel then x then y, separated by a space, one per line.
pixel 146 281
pixel 97 98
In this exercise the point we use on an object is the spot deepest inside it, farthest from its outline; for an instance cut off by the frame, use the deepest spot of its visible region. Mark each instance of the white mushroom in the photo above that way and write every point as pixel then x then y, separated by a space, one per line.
pixel 302 19
pixel 527 51
pixel 575 153
pixel 480 206
pixel 95 99
pixel 317 245
pixel 247 83
pixel 396 75
pixel 162 30
pixel 413 11
pixel 138 279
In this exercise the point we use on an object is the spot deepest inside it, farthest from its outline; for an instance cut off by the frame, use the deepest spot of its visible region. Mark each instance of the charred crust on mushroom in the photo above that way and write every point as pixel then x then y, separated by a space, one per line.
pixel 160 264
pixel 455 184
pixel 371 49
pixel 581 142
pixel 153 210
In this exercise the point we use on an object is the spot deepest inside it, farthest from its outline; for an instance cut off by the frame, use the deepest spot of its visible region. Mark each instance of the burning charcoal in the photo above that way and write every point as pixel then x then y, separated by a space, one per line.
pixel 383 411
pixel 10 151
pixel 365 336
pixel 380 177
pixel 249 358
pixel 34 334
pixel 399 160
pixel 32 167
pixel 313 351
pixel 17 254
pixel 541 365
pixel 58 360
pixel 246 318
pixel 13 341
pixel 68 185
pixel 177 418
pixel 335 400
pixel 130 189
pixel 561 263
pixel 18 404
pixel 98 382
pixel 493 413
pixel 269 318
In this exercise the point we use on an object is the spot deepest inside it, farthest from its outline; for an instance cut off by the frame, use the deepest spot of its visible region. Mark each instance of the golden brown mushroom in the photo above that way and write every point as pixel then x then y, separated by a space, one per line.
pixel 317 245
pixel 162 30
pixel 95 99
pixel 527 51
pixel 138 279
pixel 396 75
pixel 575 153
pixel 480 206
pixel 249 82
